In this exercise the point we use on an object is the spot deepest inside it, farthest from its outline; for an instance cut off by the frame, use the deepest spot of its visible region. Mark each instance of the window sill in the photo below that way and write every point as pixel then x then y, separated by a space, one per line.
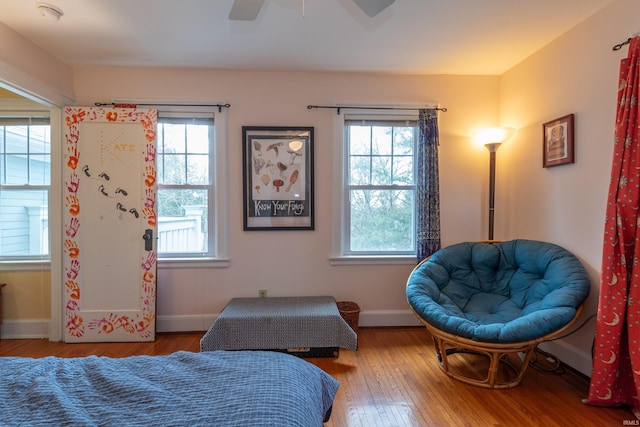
pixel 169 263
pixel 373 260
pixel 26 265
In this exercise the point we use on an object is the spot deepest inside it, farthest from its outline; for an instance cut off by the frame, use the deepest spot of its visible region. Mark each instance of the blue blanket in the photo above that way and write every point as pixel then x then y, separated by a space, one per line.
pixel 219 388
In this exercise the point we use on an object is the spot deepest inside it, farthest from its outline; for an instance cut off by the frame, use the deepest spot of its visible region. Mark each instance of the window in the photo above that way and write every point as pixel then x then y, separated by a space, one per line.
pixel 185 185
pixel 25 170
pixel 379 186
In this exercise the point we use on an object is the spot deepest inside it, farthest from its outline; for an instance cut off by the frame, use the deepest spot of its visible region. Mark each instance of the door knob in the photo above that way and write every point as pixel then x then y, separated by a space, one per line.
pixel 148 239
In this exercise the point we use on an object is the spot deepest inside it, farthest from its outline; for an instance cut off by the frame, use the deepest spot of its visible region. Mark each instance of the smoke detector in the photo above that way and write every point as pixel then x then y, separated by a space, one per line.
pixel 49 11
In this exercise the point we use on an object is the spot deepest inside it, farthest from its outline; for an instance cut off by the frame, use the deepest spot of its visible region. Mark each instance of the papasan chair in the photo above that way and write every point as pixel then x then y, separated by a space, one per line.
pixel 497 300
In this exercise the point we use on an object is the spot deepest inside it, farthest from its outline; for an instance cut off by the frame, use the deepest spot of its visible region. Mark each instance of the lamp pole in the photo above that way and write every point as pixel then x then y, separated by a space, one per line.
pixel 492 147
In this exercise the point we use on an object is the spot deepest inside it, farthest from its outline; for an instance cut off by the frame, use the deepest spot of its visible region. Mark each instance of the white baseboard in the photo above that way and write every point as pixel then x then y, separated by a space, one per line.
pixel 25 329
pixel 185 323
pixel 571 355
pixel 39 328
pixel 204 322
pixel 388 318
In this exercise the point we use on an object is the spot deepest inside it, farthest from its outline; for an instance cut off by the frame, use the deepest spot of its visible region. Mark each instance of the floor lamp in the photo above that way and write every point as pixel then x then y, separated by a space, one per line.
pixel 492 138
pixel 492 147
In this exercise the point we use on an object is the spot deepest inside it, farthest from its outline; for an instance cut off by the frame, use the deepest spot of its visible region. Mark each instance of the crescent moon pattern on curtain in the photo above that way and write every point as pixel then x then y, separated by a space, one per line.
pixel 615 379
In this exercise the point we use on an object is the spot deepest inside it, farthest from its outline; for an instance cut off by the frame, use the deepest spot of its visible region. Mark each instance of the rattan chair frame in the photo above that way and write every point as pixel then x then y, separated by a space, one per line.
pixel 447 344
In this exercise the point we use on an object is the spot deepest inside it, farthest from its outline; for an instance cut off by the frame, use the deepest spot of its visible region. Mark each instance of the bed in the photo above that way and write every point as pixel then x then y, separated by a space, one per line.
pixel 217 388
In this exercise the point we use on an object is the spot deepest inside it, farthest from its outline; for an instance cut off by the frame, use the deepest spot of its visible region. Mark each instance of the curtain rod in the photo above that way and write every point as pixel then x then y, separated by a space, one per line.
pixel 311 107
pixel 620 45
pixel 113 104
pixel 626 42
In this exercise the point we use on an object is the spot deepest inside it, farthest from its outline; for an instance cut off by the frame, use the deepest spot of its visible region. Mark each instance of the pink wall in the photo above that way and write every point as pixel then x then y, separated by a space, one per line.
pixel 26 68
pixel 576 73
pixel 280 99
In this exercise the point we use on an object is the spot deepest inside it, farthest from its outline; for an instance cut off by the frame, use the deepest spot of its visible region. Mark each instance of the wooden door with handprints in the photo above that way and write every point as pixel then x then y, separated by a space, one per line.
pixel 109 236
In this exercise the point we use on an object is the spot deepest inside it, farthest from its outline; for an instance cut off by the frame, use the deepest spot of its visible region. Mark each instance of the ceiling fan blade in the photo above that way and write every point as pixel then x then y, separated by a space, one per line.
pixel 373 7
pixel 245 10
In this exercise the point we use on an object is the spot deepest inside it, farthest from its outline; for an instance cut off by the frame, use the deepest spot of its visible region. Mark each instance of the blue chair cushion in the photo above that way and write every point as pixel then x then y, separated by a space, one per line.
pixel 502 292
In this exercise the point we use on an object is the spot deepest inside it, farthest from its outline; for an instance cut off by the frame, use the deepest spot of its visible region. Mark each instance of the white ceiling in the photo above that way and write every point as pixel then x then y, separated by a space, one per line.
pixel 411 36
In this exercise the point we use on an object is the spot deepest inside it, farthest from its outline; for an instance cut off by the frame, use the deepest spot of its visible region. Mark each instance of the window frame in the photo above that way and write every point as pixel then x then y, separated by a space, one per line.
pixel 217 190
pixel 19 110
pixel 342 255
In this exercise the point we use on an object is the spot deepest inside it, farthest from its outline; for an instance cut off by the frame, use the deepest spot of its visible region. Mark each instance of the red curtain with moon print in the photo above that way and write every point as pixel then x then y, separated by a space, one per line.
pixel 616 353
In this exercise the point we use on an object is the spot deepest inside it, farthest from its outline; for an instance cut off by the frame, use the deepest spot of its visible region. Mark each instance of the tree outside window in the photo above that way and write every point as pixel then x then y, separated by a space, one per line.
pixel 380 186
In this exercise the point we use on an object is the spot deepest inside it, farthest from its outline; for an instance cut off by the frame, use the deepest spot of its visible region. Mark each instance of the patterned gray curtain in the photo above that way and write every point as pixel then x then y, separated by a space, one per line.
pixel 428 185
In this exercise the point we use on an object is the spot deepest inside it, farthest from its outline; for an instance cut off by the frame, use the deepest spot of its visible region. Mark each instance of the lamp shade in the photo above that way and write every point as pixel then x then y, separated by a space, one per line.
pixel 495 135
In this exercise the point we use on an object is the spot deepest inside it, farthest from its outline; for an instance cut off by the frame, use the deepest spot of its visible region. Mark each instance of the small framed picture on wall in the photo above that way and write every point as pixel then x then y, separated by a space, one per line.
pixel 557 142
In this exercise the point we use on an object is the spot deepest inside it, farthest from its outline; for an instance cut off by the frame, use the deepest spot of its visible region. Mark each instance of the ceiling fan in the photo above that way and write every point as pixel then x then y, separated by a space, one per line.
pixel 247 10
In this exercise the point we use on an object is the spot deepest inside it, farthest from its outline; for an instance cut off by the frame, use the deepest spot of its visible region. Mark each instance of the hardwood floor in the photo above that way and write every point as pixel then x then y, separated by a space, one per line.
pixel 393 380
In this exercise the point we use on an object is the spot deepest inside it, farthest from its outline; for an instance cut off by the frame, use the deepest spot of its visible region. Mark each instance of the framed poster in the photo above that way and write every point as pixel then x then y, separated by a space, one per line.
pixel 557 142
pixel 277 178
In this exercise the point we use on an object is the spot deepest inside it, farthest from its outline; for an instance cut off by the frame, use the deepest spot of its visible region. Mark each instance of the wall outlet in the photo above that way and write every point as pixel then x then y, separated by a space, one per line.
pixel 262 293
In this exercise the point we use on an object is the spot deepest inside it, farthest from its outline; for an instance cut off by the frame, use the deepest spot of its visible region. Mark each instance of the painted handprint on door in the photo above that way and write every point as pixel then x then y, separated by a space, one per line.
pixel 98 176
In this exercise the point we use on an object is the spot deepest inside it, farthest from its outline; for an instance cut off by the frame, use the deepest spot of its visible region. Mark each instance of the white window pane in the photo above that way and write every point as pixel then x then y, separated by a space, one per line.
pixel 173 169
pixel 359 140
pixel 24 161
pixel 381 170
pixel 381 153
pixel 197 139
pixel 15 170
pixel 184 158
pixel 27 159
pixel 15 139
pixel 403 170
pixel 182 220
pixel 360 170
pixel 24 229
pixel 40 139
pixel 197 169
pixel 403 140
pixel 382 221
pixel 39 169
pixel 381 140
pixel 174 138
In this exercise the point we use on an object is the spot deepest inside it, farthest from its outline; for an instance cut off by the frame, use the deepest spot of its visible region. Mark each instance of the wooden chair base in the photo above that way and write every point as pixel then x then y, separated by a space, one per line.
pixel 499 355
pixel 505 366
